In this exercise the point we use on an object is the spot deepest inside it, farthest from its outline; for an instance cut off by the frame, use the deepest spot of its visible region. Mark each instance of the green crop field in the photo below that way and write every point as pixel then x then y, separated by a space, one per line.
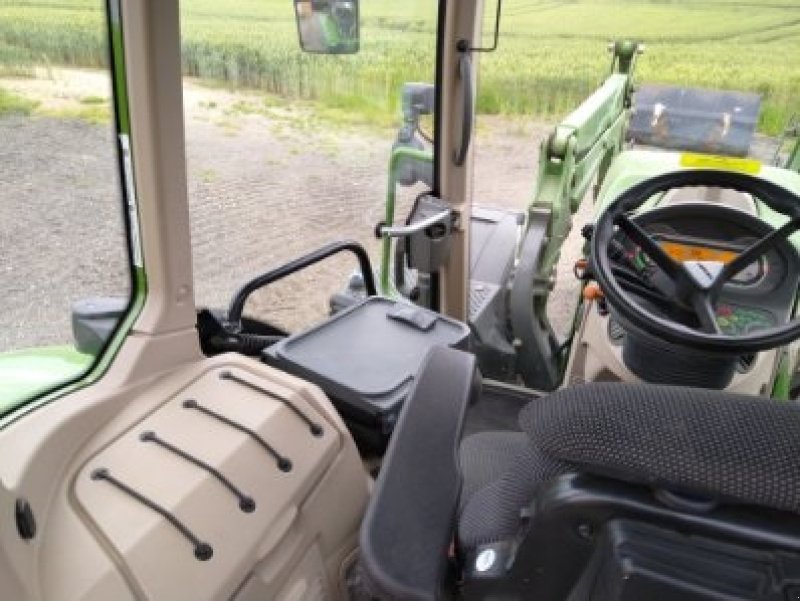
pixel 551 55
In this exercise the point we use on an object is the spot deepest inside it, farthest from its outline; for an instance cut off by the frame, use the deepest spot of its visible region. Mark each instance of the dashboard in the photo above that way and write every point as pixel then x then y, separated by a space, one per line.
pixel 760 296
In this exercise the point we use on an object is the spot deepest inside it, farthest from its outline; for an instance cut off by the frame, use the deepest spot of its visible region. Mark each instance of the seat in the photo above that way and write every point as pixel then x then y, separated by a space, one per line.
pixel 736 448
pixel 610 492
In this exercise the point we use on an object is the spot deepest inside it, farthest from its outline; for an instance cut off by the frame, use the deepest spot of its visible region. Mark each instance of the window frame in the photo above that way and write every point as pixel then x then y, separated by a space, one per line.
pixel 129 209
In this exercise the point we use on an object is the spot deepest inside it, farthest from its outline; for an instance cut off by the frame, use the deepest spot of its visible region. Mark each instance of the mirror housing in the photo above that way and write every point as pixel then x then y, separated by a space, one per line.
pixel 328 26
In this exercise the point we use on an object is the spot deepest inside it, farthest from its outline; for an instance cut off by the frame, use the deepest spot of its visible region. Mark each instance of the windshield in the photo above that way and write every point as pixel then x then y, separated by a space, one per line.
pixel 707 68
pixel 288 151
pixel 293 111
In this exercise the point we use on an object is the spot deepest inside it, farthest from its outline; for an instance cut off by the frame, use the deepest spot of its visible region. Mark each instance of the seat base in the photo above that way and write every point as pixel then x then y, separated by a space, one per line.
pixel 605 540
pixel 634 561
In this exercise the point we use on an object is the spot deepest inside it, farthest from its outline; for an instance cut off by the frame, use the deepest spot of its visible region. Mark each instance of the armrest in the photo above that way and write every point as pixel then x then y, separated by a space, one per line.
pixel 408 527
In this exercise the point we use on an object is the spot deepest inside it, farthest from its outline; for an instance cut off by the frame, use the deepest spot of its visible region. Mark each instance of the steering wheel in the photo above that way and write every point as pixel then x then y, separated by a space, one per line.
pixel 696 285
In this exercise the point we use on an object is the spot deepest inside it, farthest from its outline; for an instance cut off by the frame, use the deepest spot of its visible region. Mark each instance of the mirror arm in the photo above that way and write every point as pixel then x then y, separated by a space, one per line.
pixel 463 45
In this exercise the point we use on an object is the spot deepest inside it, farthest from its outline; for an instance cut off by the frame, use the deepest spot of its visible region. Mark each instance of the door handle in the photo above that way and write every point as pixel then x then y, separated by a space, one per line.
pixel 398 231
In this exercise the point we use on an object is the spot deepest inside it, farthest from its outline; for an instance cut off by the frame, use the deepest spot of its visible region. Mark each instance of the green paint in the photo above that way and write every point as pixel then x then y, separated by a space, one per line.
pixel 118 65
pixel 793 161
pixel 330 29
pixel 88 375
pixel 27 373
pixel 398 154
pixel 782 387
pixel 579 154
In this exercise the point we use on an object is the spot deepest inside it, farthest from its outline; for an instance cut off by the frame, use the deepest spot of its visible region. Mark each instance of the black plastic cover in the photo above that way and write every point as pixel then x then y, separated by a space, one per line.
pixel 568 532
pixel 634 561
pixel 409 524
pixel 94 320
pixel 365 357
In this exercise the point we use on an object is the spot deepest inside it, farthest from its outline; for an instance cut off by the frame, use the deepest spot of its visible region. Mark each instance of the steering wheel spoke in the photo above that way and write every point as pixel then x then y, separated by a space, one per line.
pixel 650 247
pixel 701 303
pixel 755 251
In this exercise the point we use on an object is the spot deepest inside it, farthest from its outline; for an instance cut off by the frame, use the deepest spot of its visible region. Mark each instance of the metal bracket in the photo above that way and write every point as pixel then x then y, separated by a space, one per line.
pixel 424 243
pixel 537 348
pixel 463 45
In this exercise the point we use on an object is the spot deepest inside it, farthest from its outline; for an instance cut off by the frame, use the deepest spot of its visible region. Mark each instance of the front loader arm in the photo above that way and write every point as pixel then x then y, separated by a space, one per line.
pixel 577 154
pixel 580 150
pixel 793 160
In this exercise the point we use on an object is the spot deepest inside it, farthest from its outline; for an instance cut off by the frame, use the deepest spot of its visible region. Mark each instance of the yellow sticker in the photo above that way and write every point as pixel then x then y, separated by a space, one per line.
pixel 711 161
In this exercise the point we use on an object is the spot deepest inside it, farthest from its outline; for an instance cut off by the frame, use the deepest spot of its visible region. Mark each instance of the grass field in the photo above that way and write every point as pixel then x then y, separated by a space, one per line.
pixel 12 103
pixel 551 52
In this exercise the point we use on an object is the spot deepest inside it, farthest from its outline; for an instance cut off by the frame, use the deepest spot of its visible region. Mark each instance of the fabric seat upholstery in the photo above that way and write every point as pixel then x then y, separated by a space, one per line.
pixel 486 455
pixel 733 448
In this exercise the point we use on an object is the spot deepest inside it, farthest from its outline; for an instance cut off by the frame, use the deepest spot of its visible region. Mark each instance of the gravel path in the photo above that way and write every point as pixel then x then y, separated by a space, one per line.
pixel 60 226
pixel 262 191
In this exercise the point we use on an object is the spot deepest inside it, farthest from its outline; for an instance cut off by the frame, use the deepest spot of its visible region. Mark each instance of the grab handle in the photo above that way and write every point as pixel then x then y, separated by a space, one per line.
pixel 465 75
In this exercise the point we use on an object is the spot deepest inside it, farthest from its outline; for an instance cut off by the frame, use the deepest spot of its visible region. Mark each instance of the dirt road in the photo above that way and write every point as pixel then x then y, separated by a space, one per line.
pixel 265 185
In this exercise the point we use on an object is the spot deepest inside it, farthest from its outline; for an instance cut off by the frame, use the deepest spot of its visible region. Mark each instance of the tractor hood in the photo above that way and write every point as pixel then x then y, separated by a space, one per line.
pixel 634 166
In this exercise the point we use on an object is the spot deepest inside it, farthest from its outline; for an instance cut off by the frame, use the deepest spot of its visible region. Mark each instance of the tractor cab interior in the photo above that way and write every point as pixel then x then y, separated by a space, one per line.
pixel 434 437
pixel 660 485
pixel 626 483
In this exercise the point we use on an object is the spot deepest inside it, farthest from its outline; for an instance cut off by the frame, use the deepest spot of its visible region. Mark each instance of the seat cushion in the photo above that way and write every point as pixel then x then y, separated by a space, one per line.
pixel 731 447
pixel 507 473
pixel 485 456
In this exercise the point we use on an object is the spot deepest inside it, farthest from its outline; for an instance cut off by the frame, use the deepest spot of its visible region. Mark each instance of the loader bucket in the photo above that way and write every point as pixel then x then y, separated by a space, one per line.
pixel 708 121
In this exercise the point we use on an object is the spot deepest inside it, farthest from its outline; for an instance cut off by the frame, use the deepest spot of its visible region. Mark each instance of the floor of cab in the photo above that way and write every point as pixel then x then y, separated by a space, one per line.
pixel 497 408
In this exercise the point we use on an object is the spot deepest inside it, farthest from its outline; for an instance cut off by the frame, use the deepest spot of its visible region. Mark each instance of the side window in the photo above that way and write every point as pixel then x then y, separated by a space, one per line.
pixel 65 274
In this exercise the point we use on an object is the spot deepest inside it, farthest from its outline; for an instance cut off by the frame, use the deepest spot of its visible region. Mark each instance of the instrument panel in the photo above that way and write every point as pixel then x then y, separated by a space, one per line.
pixel 738 320
pixel 760 296
pixel 682 251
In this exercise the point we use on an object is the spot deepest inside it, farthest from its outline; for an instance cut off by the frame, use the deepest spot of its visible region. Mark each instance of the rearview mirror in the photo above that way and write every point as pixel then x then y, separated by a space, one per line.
pixel 327 26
